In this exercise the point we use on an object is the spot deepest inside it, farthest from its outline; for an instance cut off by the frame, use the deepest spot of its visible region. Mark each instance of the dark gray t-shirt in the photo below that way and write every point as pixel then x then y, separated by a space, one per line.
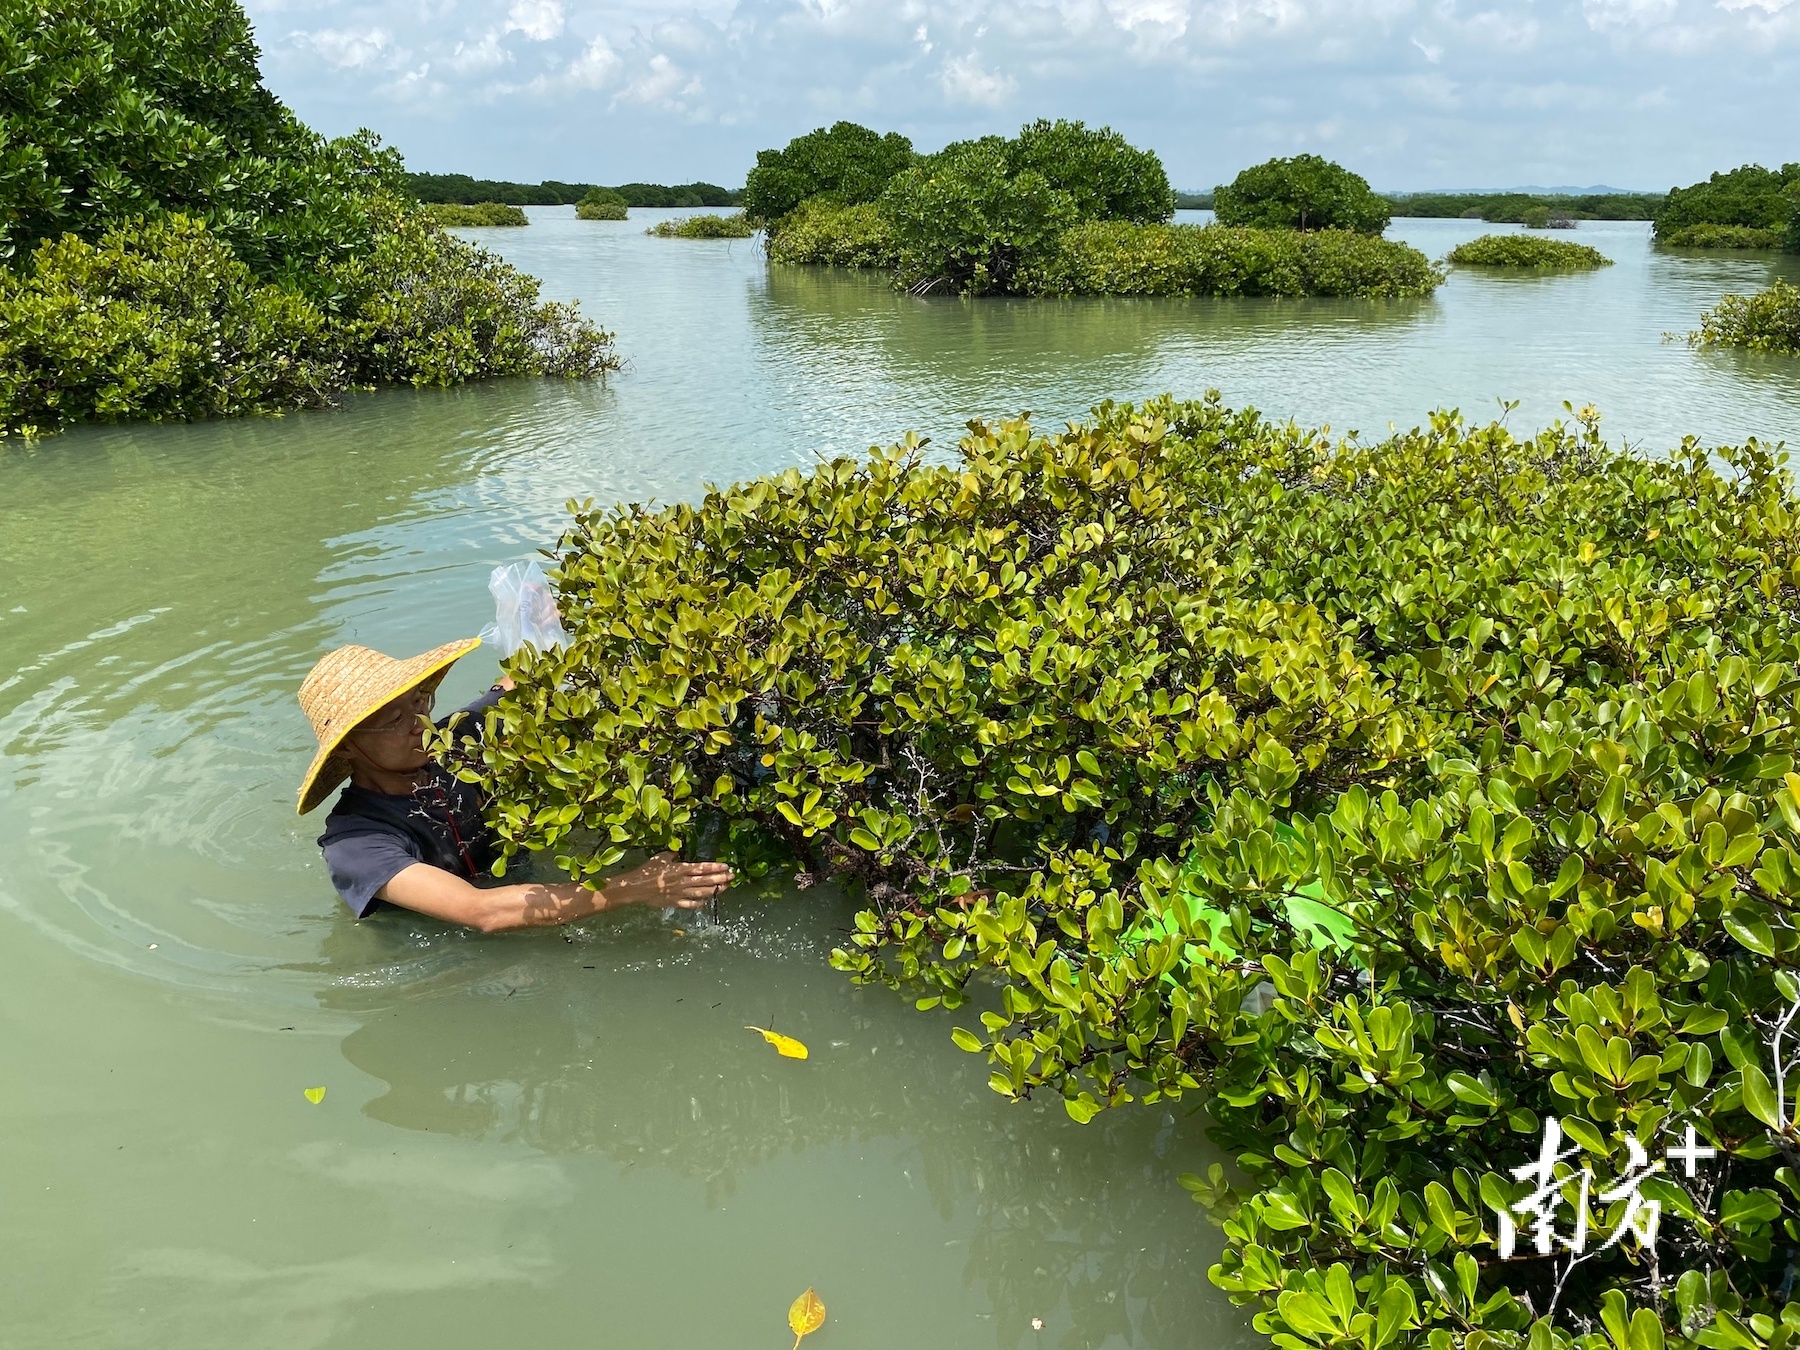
pixel 372 837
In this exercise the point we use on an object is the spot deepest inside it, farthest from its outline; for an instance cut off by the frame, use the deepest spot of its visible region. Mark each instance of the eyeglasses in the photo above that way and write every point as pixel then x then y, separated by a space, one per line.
pixel 417 706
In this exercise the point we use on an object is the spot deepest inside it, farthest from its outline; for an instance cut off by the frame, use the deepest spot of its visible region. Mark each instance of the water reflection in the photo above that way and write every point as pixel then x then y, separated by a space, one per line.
pixel 627 1042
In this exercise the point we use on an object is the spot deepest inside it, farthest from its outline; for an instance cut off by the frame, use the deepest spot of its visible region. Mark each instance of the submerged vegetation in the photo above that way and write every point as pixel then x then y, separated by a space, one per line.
pixel 1527 251
pixel 1401 799
pixel 1119 258
pixel 1768 321
pixel 1750 197
pixel 480 214
pixel 1306 192
pixel 1723 236
pixel 210 254
pixel 734 226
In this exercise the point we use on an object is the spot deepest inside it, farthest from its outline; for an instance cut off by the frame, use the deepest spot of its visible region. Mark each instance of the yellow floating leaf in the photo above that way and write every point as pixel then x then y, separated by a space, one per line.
pixel 807 1314
pixel 315 1095
pixel 787 1045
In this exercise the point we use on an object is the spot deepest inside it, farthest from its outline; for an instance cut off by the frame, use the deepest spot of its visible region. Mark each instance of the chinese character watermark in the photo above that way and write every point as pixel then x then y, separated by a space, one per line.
pixel 1642 1214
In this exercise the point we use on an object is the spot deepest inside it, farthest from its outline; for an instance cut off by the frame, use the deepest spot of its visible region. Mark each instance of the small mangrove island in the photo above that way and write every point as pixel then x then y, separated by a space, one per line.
pixel 1064 209
pixel 1527 252
pixel 734 226
pixel 454 216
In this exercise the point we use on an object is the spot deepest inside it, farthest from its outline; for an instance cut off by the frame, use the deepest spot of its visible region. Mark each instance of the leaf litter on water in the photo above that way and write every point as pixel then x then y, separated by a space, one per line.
pixel 807 1313
pixel 788 1047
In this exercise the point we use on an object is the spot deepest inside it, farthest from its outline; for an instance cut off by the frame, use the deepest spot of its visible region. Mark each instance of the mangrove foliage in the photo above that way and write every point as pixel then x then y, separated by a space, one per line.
pixel 1059 209
pixel 1768 321
pixel 462 189
pixel 1750 197
pixel 602 204
pixel 1512 208
pixel 481 214
pixel 1305 192
pixel 174 242
pixel 1426 808
pixel 735 226
pixel 1723 236
pixel 1120 258
pixel 1527 252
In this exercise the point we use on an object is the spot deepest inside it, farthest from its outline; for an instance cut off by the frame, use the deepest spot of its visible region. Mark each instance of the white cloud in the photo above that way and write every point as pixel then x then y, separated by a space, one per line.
pixel 539 20
pixel 662 83
pixel 965 81
pixel 623 89
pixel 596 65
pixel 485 53
pixel 348 48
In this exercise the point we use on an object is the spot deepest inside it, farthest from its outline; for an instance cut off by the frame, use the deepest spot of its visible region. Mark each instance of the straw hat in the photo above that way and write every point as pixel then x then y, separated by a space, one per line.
pixel 349 684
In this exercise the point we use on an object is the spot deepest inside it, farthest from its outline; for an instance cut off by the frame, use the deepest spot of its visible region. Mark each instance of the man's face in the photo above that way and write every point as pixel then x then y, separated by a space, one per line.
pixel 393 739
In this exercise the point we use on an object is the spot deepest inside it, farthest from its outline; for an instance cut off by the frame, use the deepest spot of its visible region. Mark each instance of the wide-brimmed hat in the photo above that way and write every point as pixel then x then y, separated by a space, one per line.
pixel 349 684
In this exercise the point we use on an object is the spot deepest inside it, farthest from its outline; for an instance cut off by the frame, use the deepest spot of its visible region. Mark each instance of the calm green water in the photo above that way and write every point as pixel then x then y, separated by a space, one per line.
pixel 568 1139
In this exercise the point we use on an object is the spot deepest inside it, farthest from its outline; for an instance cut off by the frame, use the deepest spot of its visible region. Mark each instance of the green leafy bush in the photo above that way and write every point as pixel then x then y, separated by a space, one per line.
pixel 1751 196
pixel 157 320
pixel 422 308
pixel 822 232
pixel 965 221
pixel 844 162
pixel 1394 798
pixel 1306 192
pixel 1106 177
pixel 1723 236
pixel 602 204
pixel 1116 258
pixel 453 216
pixel 1768 321
pixel 734 226
pixel 1527 251
pixel 141 127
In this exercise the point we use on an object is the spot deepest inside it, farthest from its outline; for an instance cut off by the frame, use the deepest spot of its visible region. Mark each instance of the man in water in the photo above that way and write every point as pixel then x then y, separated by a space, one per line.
pixel 408 832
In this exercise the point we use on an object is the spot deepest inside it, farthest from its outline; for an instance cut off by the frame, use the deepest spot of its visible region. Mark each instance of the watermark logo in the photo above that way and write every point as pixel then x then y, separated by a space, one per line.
pixel 1641 1216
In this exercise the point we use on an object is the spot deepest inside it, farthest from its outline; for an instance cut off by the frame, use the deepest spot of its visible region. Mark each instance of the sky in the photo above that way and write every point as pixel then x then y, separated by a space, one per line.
pixel 1412 94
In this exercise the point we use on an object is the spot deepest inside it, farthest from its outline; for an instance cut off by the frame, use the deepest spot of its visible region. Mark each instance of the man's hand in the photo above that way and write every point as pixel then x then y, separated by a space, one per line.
pixel 665 881
pixel 668 883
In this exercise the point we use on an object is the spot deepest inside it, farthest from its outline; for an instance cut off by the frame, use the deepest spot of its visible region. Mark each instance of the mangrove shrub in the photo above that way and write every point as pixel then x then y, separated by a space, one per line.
pixel 602 204
pixel 1751 196
pixel 735 226
pixel 1527 251
pixel 453 216
pixel 1306 192
pixel 1723 236
pixel 142 128
pixel 1106 177
pixel 1768 321
pixel 846 162
pixel 1426 808
pixel 1117 258
pixel 821 232
pixel 965 221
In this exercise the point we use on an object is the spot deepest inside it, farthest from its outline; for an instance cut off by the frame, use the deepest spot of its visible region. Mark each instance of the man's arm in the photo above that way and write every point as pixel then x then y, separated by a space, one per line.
pixel 665 881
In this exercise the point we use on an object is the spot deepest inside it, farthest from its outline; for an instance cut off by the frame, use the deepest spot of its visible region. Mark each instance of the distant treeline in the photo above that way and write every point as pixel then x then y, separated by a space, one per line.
pixel 1193 201
pixel 461 189
pixel 1518 207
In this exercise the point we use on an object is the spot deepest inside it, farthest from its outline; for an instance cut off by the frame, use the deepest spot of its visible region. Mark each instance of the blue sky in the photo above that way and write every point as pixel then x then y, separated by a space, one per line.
pixel 1410 93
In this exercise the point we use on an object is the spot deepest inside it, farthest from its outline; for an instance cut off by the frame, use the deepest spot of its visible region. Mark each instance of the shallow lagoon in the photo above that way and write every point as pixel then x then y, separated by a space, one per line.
pixel 563 1139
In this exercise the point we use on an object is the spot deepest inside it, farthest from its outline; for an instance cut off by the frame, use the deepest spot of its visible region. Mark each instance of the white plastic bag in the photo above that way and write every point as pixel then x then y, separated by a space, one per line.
pixel 524 609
